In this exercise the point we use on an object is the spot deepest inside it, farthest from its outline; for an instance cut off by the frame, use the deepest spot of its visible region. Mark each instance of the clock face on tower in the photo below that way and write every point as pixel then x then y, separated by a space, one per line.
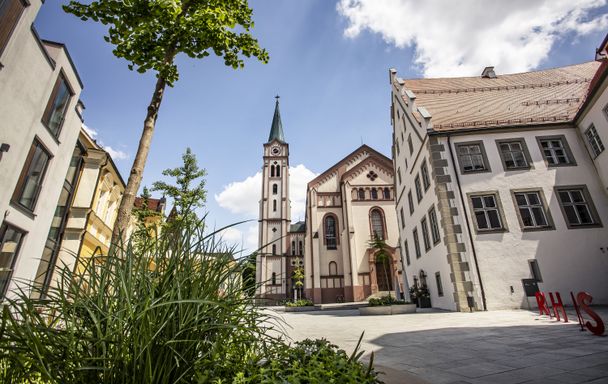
pixel 276 150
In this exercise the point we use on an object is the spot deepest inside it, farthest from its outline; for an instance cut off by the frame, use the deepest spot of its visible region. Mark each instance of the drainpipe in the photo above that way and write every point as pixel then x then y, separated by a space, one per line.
pixel 466 220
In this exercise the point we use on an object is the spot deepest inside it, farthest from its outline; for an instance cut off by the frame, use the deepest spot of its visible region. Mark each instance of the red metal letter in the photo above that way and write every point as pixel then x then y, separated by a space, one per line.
pixel 578 312
pixel 541 300
pixel 584 299
pixel 558 306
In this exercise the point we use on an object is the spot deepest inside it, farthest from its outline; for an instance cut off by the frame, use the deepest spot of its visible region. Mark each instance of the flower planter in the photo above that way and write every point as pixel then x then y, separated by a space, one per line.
pixel 373 311
pixel 300 309
pixel 403 308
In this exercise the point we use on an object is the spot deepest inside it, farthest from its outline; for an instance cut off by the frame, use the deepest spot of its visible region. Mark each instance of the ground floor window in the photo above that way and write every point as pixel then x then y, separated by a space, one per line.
pixel 10 242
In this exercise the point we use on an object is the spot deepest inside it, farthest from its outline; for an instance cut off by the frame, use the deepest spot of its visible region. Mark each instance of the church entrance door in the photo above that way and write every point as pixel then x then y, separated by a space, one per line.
pixel 384 276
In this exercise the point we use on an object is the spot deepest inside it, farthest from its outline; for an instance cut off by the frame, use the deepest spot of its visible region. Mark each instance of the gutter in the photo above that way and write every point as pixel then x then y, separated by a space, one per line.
pixel 466 217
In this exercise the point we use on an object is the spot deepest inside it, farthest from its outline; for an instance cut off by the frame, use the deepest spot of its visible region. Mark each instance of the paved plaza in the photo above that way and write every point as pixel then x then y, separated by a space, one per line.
pixel 447 347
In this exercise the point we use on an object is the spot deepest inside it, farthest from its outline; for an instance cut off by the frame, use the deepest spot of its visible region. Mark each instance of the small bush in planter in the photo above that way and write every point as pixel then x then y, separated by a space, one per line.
pixel 385 301
pixel 300 303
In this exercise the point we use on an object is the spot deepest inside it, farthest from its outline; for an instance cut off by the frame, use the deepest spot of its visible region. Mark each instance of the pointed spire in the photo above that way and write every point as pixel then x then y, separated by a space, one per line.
pixel 276 131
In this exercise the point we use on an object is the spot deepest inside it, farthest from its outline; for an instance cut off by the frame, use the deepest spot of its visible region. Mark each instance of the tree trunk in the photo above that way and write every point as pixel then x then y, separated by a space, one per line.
pixel 137 169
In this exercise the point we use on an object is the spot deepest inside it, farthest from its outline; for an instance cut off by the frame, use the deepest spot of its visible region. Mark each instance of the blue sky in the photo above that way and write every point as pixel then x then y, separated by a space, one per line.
pixel 329 61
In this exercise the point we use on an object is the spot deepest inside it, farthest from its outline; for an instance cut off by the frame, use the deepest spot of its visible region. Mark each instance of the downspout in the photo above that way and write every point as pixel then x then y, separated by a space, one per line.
pixel 466 220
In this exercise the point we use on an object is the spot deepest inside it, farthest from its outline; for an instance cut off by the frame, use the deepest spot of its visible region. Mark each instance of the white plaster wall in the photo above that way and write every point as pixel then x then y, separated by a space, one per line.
pixel 594 114
pixel 569 259
pixel 26 82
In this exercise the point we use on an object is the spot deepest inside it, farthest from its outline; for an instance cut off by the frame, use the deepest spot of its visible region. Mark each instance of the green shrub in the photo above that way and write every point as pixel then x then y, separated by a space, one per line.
pixel 168 310
pixel 384 301
pixel 299 303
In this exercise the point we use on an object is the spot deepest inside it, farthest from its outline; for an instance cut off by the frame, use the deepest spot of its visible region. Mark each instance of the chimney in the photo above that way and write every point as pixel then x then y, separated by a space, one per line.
pixel 488 73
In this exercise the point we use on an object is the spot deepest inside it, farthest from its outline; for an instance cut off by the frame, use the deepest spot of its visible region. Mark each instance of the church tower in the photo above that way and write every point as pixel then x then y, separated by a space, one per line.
pixel 275 216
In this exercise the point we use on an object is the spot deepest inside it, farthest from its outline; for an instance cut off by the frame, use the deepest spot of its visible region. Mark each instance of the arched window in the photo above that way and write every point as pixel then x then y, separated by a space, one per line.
pixel 274 249
pixel 274 205
pixel 300 248
pixel 387 193
pixel 330 229
pixel 278 170
pixel 275 189
pixel 374 194
pixel 272 171
pixel 377 223
pixel 273 280
pixel 293 247
pixel 333 268
pixel 361 194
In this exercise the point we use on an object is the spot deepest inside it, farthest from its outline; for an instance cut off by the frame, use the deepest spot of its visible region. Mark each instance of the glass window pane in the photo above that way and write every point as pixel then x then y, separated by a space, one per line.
pixel 481 220
pixel 533 198
pixel 571 214
pixel 521 199
pixel 584 214
pixel 564 197
pixel 489 201
pixel 577 196
pixel 494 219
pixel 475 149
pixel 476 202
pixel 539 216
pixel 526 217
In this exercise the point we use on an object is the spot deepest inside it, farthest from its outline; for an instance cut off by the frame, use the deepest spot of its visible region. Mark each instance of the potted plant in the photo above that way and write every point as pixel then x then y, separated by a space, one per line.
pixel 387 305
pixel 421 296
pixel 301 305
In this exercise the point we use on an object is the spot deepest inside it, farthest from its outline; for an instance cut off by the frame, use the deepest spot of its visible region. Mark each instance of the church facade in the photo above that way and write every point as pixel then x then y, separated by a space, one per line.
pixel 348 206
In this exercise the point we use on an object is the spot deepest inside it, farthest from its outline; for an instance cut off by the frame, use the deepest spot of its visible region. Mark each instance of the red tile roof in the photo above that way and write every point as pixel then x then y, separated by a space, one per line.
pixel 153 204
pixel 540 97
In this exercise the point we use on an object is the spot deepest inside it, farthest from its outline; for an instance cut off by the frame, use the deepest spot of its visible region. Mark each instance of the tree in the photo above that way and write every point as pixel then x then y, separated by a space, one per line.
pixel 186 194
pixel 150 33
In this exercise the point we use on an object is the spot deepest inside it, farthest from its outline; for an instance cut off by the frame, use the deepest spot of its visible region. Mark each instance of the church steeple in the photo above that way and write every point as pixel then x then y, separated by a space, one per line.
pixel 276 130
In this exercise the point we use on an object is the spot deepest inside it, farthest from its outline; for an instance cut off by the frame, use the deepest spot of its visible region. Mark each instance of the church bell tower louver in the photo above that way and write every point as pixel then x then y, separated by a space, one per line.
pixel 275 215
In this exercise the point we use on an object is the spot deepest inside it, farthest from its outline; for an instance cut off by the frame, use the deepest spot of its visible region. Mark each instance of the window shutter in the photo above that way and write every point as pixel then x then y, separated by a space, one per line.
pixel 10 12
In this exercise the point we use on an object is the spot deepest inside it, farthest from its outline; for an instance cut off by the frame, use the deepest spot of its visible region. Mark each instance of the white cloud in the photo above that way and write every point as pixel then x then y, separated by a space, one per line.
pixel 116 154
pixel 242 197
pixel 460 38
pixel 245 240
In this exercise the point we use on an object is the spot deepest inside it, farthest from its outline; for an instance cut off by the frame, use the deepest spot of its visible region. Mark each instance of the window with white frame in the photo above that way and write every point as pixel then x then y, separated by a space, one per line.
pixel 434 225
pixel 486 212
pixel 472 157
pixel 425 234
pixel 577 207
pixel 410 201
pixel 556 151
pixel 424 171
pixel 416 243
pixel 418 188
pixel 513 154
pixel 595 143
pixel 407 252
pixel 531 210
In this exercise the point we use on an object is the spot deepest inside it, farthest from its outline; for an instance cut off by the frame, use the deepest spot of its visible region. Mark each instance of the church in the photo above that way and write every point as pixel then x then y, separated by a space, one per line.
pixel 347 206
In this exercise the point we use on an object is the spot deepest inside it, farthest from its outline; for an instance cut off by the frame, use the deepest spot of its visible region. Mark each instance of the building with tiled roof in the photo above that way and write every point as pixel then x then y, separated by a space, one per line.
pixel 498 191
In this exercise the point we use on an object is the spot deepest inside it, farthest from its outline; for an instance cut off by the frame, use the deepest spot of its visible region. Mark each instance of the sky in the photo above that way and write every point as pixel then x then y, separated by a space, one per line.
pixel 329 62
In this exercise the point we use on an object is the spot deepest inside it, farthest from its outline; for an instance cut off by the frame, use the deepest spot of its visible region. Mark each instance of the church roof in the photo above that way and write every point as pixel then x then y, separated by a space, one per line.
pixel 276 130
pixel 341 166
pixel 300 226
pixel 530 98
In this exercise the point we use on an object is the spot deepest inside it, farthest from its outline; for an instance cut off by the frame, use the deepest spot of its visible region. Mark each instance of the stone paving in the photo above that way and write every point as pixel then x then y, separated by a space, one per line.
pixel 448 347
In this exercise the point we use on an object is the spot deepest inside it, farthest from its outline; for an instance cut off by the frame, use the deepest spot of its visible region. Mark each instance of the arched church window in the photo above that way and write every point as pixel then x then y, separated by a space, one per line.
pixel 300 248
pixel 275 189
pixel 274 249
pixel 374 194
pixel 377 223
pixel 278 171
pixel 333 268
pixel 274 205
pixel 272 171
pixel 330 232
pixel 293 247
pixel 361 194
pixel 387 193
pixel 273 280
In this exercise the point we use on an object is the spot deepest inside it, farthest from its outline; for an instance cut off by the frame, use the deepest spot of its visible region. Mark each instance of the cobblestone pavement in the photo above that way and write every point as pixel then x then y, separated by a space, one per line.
pixel 448 347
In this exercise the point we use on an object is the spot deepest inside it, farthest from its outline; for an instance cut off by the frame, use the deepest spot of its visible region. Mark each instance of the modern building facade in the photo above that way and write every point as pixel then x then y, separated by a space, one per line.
pixel 348 206
pixel 497 194
pixel 41 120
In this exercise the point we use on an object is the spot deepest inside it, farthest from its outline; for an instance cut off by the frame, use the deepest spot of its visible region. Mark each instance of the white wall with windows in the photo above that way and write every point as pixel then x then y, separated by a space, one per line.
pixel 537 198
pixel 38 132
